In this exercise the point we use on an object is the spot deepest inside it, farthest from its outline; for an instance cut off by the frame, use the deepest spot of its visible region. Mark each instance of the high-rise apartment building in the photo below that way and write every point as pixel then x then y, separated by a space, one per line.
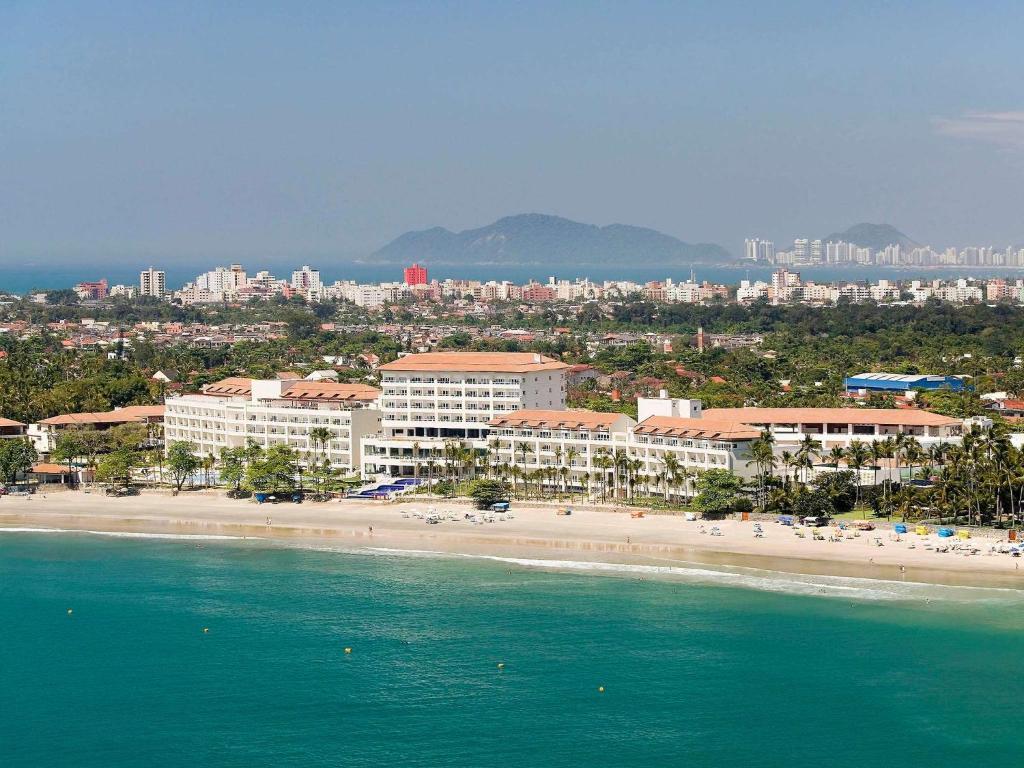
pixel 760 250
pixel 152 282
pixel 307 281
pixel 415 275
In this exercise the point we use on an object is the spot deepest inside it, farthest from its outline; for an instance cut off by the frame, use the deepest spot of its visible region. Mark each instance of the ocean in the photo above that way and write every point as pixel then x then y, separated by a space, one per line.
pixel 27 277
pixel 695 671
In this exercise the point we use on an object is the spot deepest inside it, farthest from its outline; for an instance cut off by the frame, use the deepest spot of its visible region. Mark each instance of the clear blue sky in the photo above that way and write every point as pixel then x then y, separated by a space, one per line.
pixel 142 131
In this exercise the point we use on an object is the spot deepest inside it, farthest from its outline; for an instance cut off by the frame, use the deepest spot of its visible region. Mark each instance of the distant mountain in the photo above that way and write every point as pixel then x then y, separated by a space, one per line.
pixel 536 239
pixel 876 236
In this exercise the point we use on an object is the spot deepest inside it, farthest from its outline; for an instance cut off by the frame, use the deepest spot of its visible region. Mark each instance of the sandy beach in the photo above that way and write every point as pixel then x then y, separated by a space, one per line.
pixel 535 532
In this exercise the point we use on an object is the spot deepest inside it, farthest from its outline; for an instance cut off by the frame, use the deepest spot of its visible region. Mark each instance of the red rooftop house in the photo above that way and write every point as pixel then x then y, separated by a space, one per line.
pixel 415 275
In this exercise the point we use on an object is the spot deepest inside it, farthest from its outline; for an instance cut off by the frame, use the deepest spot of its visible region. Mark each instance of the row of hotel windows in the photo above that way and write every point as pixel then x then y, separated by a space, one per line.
pixel 456 406
pixel 447 393
pixel 185 417
pixel 448 380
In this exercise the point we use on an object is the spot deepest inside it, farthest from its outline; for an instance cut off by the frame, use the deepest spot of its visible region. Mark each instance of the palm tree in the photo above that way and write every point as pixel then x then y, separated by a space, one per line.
pixel 787 460
pixel 856 456
pixel 571 454
pixel 495 446
pixel 671 463
pixel 603 462
pixel 836 455
pixel 762 456
pixel 808 447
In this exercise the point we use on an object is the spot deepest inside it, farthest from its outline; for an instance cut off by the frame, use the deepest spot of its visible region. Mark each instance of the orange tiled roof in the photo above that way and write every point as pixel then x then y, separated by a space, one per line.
pixel 883 416
pixel 131 413
pixel 705 427
pixel 557 419
pixel 51 469
pixel 491 362
pixel 330 391
pixel 229 387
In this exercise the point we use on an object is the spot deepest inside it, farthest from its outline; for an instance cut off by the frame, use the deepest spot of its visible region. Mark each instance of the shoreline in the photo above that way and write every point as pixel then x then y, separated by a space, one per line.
pixel 534 534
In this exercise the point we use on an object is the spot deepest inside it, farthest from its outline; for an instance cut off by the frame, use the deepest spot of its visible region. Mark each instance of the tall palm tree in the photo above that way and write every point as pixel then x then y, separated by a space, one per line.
pixel 856 456
pixel 672 467
pixel 788 461
pixel 809 448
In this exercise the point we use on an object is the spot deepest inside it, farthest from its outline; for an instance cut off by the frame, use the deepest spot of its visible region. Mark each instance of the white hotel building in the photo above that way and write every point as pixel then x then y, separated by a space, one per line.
pixel 231 412
pixel 579 441
pixel 431 398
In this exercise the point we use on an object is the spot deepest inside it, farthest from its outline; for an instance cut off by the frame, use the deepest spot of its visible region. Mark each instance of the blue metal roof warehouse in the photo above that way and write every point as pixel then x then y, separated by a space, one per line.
pixel 898 382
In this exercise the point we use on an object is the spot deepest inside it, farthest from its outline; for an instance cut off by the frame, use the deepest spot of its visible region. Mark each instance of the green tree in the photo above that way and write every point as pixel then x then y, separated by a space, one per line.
pixel 273 471
pixel 839 488
pixel 182 462
pixel 717 492
pixel 16 457
pixel 66 449
pixel 232 468
pixel 488 492
pixel 116 467
pixel 813 503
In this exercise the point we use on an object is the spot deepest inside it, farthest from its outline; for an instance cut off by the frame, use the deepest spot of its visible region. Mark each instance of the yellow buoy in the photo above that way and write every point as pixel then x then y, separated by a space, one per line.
pixel 501 665
pixel 205 630
pixel 348 650
pixel 600 689
pixel 69 611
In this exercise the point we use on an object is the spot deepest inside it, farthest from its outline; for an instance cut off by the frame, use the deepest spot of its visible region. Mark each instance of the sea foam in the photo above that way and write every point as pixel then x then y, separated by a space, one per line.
pixel 134 534
pixel 848 587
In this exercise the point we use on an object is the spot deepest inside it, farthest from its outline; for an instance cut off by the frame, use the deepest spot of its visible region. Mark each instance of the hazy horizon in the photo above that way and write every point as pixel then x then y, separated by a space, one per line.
pixel 319 133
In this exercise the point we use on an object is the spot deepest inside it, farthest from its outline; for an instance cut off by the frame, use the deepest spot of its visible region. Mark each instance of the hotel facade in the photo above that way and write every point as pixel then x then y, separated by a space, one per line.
pixel 232 412
pixel 431 399
pixel 508 410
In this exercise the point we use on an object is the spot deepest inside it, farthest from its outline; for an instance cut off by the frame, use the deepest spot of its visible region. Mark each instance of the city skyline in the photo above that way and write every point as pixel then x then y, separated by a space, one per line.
pixel 189 132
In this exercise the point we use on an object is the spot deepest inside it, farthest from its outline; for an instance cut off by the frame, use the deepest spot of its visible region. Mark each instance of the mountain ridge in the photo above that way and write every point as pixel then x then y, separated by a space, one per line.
pixel 875 236
pixel 536 239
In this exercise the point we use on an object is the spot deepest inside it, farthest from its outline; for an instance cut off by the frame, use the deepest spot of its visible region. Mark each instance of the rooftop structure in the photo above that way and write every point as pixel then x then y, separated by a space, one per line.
pixel 44 433
pixel 896 382
pixel 9 428
pixel 490 362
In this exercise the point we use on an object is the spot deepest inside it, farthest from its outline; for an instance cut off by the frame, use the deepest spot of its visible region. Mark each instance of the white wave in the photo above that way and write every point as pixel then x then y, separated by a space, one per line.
pixel 134 534
pixel 848 587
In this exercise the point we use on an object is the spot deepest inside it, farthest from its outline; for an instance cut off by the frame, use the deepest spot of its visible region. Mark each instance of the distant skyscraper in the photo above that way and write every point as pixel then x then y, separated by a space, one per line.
pixel 759 250
pixel 816 255
pixel 152 282
pixel 801 249
pixel 415 275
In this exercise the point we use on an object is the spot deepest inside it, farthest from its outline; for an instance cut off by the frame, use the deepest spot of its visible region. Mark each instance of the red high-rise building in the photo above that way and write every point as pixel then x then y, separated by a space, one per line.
pixel 415 275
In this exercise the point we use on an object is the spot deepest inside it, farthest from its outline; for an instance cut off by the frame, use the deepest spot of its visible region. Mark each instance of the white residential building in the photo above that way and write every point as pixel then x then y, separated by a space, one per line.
pixel 435 397
pixel 153 282
pixel 231 412
pixel 580 442
pixel 307 282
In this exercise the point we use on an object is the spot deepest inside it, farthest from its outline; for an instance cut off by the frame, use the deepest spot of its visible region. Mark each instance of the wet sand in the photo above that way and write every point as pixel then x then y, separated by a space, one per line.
pixel 534 532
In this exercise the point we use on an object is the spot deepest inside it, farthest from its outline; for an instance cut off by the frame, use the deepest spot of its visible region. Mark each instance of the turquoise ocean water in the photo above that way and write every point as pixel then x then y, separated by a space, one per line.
pixel 698 670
